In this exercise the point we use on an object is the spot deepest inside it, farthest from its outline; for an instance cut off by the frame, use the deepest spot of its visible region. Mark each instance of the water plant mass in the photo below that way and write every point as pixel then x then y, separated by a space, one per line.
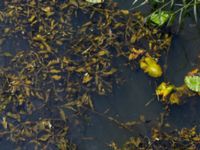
pixel 94 74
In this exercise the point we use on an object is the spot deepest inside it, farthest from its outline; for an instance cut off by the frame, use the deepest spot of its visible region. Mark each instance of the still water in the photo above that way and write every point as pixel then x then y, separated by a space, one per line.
pixel 127 102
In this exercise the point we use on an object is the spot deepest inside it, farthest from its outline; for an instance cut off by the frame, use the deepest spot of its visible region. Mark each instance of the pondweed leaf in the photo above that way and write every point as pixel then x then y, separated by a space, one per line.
pixel 193 83
pixel 56 77
pixel 4 123
pixel 86 78
pixel 95 1
pixel 7 54
pixel 44 137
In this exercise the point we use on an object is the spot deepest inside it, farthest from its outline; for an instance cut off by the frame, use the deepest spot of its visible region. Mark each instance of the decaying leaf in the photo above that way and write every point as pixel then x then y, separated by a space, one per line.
pixel 86 78
pixel 95 1
pixel 63 64
pixel 110 72
pixel 164 89
pixel 4 123
pixel 135 53
pixel 56 77
pixel 150 66
pixel 44 138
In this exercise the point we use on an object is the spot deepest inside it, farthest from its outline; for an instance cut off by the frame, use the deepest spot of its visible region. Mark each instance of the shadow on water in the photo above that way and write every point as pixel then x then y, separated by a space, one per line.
pixel 127 102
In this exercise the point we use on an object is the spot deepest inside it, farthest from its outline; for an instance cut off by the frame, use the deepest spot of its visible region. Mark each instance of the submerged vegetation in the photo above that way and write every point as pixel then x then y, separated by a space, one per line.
pixel 70 55
pixel 183 139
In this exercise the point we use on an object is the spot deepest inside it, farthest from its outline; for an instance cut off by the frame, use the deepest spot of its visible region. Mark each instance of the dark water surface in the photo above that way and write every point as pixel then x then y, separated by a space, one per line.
pixel 127 102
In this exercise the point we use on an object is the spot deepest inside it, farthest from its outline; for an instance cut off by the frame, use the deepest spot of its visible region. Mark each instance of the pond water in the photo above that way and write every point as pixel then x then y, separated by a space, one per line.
pixel 128 101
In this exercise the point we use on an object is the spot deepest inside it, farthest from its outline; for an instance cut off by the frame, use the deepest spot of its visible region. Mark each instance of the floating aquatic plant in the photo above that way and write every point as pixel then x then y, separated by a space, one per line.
pixel 193 83
pixel 150 66
pixel 160 17
pixel 164 89
pixel 64 64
